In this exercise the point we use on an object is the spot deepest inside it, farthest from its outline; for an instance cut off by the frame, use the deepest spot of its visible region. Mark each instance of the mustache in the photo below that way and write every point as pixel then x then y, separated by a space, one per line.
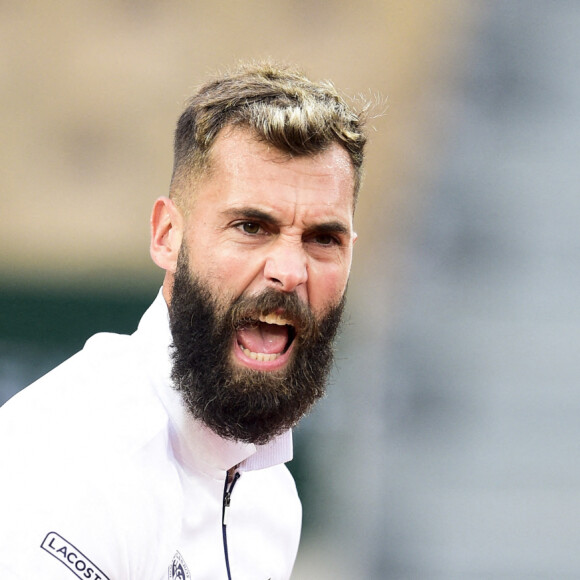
pixel 247 310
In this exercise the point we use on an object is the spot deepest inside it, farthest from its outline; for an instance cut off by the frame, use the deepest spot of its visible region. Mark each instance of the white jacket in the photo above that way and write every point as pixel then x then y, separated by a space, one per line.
pixel 105 476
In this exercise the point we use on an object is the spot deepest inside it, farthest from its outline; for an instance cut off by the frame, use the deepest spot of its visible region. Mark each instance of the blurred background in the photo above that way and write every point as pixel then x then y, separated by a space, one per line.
pixel 448 445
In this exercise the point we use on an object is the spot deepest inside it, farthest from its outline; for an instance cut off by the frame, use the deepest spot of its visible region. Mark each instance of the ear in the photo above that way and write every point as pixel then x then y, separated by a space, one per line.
pixel 166 234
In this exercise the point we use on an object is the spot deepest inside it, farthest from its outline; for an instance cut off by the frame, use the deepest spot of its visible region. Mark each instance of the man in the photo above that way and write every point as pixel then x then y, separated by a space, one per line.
pixel 161 454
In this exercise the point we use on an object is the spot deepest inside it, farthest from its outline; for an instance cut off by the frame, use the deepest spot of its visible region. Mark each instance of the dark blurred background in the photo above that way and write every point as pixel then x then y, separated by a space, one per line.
pixel 447 446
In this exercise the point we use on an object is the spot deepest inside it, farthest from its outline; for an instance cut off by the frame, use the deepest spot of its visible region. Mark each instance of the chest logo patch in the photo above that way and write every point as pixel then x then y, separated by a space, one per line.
pixel 178 569
pixel 71 557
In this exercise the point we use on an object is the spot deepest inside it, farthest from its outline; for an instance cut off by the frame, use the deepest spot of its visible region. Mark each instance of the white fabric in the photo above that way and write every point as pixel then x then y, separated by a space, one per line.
pixel 103 474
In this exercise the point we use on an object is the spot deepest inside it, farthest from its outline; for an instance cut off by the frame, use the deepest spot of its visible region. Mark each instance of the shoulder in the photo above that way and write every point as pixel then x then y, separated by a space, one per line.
pixel 272 491
pixel 87 452
pixel 86 456
pixel 100 356
pixel 87 394
pixel 88 420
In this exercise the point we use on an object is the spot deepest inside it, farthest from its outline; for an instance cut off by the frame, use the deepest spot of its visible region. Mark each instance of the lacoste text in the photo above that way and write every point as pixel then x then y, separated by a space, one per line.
pixel 71 557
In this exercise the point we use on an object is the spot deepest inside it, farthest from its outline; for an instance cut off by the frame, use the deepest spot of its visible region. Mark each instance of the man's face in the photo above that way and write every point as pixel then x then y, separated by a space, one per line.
pixel 265 257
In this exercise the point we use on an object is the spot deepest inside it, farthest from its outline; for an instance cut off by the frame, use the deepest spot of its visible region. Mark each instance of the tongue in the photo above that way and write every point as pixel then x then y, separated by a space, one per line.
pixel 264 338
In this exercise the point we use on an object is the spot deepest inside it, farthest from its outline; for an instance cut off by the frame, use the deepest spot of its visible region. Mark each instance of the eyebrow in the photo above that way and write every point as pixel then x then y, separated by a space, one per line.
pixel 332 227
pixel 252 213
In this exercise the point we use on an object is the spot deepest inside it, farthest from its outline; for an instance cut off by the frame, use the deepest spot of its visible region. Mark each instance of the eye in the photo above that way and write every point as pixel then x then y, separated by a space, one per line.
pixel 325 239
pixel 250 228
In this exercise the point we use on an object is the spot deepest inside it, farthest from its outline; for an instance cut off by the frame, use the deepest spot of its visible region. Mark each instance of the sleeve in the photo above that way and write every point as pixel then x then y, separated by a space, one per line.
pixel 55 536
pixel 104 524
pixel 74 459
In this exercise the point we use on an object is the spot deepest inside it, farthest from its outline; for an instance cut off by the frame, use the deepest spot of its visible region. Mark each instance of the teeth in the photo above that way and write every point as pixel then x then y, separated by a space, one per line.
pixel 274 319
pixel 260 356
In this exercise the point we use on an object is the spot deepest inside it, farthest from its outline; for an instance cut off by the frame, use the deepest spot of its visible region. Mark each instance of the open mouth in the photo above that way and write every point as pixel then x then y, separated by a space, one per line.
pixel 266 338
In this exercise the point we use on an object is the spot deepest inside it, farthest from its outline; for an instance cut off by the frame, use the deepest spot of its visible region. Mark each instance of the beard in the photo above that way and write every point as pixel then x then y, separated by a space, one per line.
pixel 237 402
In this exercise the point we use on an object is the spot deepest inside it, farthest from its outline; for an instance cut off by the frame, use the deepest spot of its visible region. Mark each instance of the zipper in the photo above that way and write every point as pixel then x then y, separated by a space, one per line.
pixel 228 487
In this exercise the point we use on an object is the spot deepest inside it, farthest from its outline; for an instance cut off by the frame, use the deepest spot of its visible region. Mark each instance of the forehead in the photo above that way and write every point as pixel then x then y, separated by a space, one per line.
pixel 246 170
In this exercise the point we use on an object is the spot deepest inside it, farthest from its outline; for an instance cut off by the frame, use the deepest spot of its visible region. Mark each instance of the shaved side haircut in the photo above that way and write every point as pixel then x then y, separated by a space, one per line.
pixel 281 107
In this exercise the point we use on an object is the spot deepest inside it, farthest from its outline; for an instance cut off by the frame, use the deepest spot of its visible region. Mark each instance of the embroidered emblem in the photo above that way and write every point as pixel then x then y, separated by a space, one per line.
pixel 71 557
pixel 178 569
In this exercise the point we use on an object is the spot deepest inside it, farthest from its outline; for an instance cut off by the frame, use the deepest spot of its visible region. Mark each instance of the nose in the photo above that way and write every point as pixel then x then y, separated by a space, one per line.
pixel 286 266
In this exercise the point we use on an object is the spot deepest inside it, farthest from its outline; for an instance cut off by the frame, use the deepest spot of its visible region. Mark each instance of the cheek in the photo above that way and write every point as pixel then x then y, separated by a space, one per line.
pixel 327 285
pixel 226 272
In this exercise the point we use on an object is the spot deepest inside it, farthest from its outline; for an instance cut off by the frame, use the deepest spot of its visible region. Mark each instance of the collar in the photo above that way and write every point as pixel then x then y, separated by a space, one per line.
pixel 195 444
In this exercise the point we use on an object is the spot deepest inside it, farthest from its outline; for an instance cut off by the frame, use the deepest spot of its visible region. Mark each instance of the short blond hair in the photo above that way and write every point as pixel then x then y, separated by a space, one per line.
pixel 280 105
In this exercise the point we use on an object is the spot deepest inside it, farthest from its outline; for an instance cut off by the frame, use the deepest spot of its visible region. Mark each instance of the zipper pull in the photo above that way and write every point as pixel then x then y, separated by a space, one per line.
pixel 228 499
